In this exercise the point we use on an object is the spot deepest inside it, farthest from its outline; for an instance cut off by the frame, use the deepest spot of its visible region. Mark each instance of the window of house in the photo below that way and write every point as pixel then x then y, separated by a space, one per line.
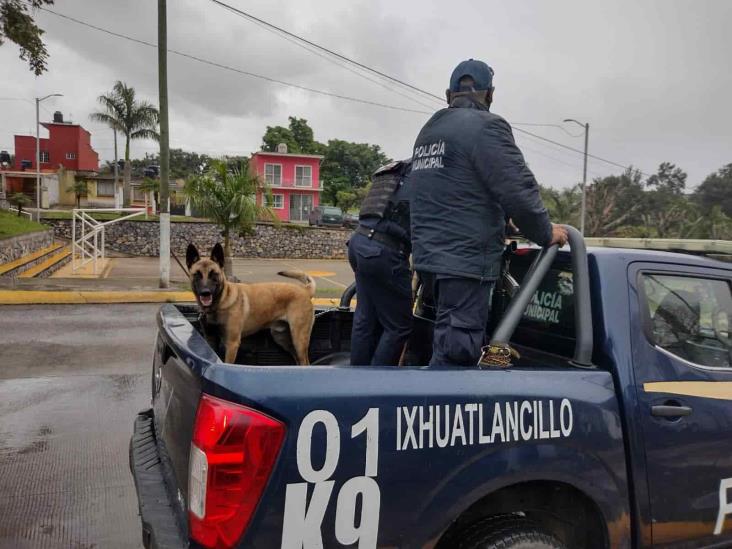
pixel 70 156
pixel 44 157
pixel 273 174
pixel 275 201
pixel 303 176
pixel 689 317
pixel 105 188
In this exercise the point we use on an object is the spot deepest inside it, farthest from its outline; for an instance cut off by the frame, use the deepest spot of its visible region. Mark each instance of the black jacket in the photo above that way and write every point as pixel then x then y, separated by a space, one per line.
pixel 467 176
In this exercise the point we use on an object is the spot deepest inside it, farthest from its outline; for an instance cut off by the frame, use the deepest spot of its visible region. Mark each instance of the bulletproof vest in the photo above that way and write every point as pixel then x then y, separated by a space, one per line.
pixel 381 202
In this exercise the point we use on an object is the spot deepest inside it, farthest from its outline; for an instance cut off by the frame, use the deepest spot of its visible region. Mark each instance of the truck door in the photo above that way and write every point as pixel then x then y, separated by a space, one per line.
pixel 681 358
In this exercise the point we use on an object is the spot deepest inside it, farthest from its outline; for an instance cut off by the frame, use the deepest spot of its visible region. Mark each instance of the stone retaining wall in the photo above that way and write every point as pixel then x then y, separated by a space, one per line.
pixel 16 247
pixel 270 241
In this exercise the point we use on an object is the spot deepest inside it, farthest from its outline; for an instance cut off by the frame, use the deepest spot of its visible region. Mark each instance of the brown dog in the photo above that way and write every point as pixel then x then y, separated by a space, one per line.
pixel 239 310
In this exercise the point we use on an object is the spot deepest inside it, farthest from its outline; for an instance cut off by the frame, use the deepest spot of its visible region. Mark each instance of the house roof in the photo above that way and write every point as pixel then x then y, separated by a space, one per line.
pixel 297 155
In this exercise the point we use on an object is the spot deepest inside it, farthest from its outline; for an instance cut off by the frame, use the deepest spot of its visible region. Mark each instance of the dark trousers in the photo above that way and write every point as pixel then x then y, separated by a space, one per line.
pixel 383 319
pixel 462 311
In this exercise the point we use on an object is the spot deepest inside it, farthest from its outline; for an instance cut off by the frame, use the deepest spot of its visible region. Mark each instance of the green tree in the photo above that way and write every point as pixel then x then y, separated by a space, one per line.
pixel 666 212
pixel 563 204
pixel 279 134
pixel 716 190
pixel 79 187
pixel 19 200
pixel 348 200
pixel 612 202
pixel 298 137
pixel 228 198
pixel 17 25
pixel 349 166
pixel 133 118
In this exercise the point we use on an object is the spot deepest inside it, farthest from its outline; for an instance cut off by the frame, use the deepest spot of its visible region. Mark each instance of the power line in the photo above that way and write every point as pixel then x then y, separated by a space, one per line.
pixel 323 48
pixel 557 143
pixel 335 61
pixel 239 71
pixel 313 90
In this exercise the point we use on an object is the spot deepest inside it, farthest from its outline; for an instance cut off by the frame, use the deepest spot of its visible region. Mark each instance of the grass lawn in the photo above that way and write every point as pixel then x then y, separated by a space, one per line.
pixel 12 225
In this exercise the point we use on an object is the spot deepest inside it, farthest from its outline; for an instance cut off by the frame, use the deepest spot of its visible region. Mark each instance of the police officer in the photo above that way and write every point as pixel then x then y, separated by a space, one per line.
pixel 379 255
pixel 468 176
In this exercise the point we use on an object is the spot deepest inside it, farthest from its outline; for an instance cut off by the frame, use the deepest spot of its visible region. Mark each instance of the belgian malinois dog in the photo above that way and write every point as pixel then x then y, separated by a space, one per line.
pixel 237 310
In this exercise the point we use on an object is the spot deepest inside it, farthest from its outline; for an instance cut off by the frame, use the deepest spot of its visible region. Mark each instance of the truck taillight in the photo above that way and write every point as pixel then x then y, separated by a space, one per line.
pixel 232 454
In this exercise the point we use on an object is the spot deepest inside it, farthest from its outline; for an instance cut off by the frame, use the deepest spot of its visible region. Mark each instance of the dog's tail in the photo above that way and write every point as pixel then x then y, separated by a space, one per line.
pixel 305 278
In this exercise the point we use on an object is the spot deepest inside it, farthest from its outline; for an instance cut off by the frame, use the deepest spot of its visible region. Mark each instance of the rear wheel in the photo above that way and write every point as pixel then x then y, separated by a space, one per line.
pixel 506 532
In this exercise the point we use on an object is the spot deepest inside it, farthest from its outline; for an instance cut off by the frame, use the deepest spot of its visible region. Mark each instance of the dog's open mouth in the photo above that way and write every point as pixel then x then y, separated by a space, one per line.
pixel 206 299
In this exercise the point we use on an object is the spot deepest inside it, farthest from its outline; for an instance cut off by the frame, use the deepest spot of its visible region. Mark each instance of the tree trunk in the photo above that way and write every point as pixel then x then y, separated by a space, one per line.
pixel 126 188
pixel 228 268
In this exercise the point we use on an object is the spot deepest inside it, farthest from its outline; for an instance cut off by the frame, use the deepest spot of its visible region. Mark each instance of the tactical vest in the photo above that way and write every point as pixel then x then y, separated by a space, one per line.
pixel 380 202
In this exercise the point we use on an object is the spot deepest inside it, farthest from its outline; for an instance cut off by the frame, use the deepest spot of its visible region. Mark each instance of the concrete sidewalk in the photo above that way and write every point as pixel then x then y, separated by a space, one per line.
pixel 135 280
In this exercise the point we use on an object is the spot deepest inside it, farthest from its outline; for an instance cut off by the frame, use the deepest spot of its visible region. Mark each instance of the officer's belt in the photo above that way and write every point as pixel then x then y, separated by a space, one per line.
pixel 388 240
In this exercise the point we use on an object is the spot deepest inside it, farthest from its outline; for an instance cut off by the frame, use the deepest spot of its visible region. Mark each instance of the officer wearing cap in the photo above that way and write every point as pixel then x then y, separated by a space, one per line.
pixel 379 255
pixel 468 177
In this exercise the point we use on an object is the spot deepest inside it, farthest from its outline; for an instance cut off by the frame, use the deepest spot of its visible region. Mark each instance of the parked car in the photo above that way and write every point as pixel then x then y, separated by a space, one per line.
pixel 329 216
pixel 350 220
pixel 610 430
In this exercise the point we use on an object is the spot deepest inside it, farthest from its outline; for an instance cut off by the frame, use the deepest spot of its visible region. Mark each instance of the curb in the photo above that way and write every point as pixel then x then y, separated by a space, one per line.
pixel 83 297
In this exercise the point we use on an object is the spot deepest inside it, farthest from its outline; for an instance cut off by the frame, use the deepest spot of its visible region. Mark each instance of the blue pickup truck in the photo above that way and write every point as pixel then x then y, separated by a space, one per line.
pixel 612 429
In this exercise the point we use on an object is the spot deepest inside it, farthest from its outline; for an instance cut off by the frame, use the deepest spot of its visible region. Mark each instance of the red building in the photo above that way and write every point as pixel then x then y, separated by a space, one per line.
pixel 67 145
pixel 293 180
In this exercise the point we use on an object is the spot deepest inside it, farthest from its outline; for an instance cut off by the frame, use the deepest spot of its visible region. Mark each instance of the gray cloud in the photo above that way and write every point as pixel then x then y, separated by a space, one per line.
pixel 651 77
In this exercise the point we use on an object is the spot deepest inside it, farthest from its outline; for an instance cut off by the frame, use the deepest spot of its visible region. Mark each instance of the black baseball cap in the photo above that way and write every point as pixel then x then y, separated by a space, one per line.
pixel 480 72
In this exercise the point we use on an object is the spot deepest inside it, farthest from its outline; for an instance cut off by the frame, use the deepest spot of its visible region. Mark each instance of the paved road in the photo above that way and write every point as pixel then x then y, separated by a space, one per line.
pixel 71 380
pixel 141 273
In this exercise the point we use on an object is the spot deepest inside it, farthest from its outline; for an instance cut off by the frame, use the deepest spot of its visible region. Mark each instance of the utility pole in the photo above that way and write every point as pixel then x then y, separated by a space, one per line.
pixel 38 153
pixel 117 201
pixel 583 207
pixel 164 150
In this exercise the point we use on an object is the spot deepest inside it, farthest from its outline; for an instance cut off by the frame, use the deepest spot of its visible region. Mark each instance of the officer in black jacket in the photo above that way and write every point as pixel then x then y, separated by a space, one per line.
pixel 468 176
pixel 379 255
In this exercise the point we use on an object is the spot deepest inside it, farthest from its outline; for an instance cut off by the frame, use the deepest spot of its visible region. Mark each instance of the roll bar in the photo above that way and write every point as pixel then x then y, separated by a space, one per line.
pixel 582 304
pixel 347 296
pixel 532 279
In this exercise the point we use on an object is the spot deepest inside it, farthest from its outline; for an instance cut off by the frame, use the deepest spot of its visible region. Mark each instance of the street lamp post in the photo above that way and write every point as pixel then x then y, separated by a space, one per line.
pixel 586 126
pixel 38 154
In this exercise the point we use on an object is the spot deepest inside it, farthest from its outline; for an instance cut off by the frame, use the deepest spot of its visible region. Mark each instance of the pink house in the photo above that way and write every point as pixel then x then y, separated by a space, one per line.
pixel 293 180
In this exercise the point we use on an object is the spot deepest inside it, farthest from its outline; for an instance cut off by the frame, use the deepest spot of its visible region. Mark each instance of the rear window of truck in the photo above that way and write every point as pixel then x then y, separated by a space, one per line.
pixel 548 321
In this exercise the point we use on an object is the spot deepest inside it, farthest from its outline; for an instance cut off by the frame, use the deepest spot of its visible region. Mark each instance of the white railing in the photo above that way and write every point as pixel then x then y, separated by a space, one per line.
pixel 88 243
pixel 24 212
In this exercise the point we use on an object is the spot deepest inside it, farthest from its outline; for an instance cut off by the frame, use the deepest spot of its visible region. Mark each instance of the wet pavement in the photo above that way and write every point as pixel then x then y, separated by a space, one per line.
pixel 71 380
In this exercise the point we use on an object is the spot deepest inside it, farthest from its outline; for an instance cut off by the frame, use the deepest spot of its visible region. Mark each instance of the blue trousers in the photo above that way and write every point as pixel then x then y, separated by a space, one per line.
pixel 463 308
pixel 383 319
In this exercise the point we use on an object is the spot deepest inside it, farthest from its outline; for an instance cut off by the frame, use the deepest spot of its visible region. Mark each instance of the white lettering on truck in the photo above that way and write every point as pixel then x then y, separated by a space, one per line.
pixel 418 427
pixel 725 505
pixel 303 520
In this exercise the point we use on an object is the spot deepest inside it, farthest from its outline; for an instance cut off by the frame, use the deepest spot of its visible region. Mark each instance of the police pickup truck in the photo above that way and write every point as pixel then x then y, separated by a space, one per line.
pixel 612 429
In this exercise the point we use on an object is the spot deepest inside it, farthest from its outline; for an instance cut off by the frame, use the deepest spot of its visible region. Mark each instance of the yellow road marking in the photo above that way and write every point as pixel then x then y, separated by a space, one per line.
pixel 53 297
pixel 320 273
pixel 721 390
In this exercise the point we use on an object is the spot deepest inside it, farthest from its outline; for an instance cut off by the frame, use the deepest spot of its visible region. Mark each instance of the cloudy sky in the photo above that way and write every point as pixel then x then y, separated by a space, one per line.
pixel 652 78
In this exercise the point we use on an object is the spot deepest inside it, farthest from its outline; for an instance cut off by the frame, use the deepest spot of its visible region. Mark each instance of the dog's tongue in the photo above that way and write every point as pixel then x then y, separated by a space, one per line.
pixel 206 300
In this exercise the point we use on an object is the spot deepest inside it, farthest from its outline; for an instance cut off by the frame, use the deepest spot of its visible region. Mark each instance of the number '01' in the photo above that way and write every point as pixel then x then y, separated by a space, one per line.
pixel 302 524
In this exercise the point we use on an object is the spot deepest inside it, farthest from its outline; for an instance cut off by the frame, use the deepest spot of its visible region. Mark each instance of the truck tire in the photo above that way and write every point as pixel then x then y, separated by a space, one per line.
pixel 506 532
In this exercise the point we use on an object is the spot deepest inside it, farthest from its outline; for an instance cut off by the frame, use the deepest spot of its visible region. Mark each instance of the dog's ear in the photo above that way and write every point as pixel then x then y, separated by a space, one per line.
pixel 217 254
pixel 192 255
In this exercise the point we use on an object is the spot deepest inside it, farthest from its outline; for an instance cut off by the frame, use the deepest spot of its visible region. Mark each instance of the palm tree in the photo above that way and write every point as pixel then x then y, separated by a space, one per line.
pixel 135 119
pixel 228 198
pixel 79 188
pixel 19 200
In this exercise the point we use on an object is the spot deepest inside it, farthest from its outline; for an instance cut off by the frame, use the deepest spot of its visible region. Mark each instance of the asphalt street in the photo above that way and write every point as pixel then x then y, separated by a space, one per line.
pixel 71 380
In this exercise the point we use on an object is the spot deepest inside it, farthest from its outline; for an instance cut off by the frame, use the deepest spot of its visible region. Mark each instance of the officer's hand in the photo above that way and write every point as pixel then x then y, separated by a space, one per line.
pixel 559 235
